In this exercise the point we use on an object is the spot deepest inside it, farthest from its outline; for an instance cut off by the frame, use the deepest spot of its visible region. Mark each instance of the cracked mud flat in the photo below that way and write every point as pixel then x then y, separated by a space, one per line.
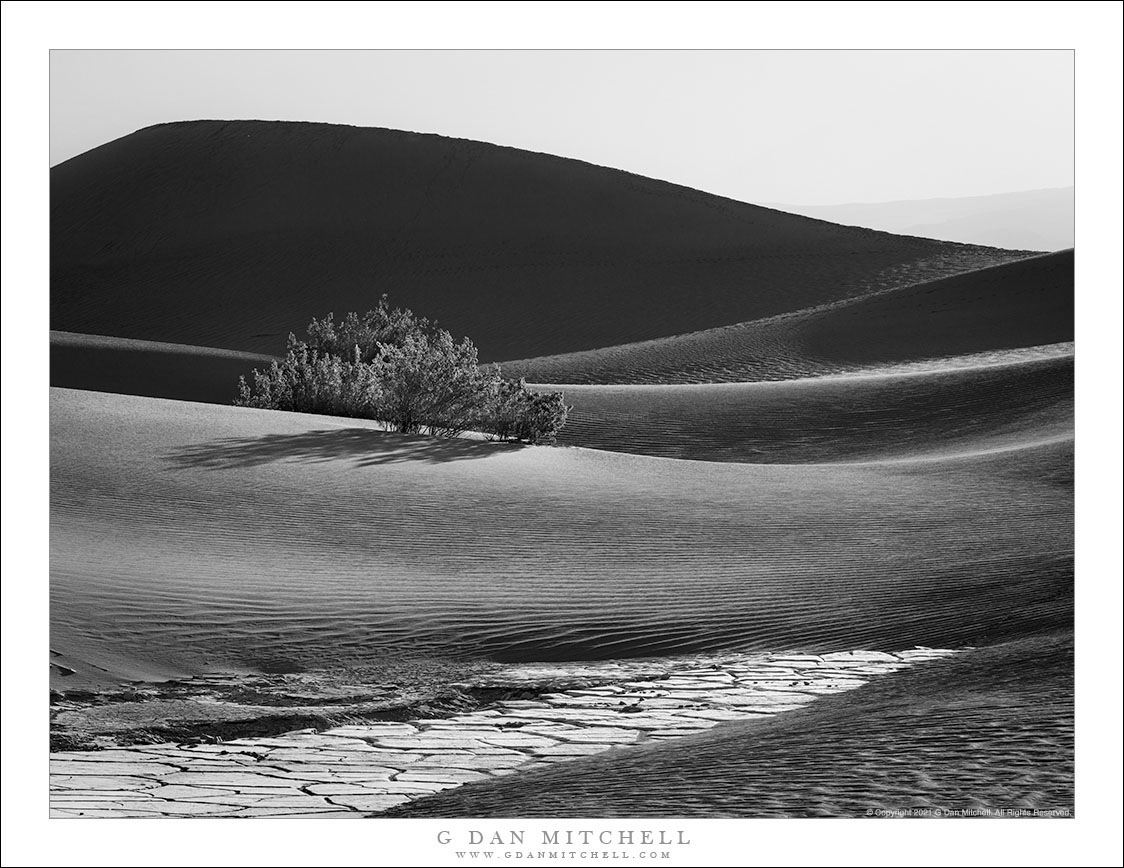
pixel 989 729
pixel 359 770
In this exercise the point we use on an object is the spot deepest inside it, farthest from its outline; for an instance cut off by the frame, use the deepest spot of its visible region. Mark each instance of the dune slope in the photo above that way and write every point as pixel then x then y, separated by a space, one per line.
pixel 230 234
pixel 156 370
pixel 983 731
pixel 1021 304
pixel 189 537
pixel 968 404
pixel 845 418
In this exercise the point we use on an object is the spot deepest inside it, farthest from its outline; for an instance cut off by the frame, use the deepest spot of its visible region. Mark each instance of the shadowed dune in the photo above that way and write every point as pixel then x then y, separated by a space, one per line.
pixel 1018 398
pixel 233 233
pixel 1015 305
pixel 195 538
pixel 991 729
pixel 155 370
pixel 846 418
pixel 1021 304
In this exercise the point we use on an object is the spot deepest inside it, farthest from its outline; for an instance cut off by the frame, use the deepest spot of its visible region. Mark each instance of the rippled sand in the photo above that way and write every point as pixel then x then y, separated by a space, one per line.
pixel 942 413
pixel 189 538
pixel 790 439
pixel 923 317
pixel 987 731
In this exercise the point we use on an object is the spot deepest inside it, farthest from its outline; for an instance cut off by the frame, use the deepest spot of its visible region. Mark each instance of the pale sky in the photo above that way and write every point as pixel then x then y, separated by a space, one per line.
pixel 796 127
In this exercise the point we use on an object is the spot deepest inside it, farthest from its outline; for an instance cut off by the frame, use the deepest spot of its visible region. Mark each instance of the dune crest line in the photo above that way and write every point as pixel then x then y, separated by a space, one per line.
pixel 920 321
pixel 297 219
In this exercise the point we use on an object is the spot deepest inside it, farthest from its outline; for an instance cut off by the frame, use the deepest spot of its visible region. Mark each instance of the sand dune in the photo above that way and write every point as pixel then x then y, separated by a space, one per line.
pixel 190 537
pixel 1021 304
pixel 148 368
pixel 232 234
pixel 985 318
pixel 966 404
pixel 944 412
pixel 874 437
pixel 990 729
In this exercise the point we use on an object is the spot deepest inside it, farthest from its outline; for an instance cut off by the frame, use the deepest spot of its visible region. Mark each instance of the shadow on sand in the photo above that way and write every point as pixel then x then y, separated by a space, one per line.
pixel 364 447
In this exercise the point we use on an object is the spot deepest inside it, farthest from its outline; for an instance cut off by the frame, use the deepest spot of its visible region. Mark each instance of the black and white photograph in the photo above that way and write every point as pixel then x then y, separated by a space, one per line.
pixel 536 451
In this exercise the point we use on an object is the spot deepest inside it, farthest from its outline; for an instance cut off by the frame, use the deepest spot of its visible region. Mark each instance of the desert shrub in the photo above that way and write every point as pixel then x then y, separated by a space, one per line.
pixel 306 381
pixel 368 334
pixel 517 413
pixel 430 384
pixel 391 365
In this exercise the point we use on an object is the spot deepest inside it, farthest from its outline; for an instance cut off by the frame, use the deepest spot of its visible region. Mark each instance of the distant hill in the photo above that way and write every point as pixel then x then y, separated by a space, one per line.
pixel 1032 219
pixel 230 234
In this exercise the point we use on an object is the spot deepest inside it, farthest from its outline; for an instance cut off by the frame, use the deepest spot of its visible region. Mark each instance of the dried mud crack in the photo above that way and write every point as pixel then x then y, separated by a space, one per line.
pixel 365 767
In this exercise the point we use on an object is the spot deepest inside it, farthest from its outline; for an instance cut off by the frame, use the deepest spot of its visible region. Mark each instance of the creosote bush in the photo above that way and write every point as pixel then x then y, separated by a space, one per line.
pixel 393 366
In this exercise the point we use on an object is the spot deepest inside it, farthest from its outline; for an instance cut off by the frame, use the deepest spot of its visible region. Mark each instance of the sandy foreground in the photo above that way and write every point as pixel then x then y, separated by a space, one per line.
pixel 364 768
pixel 190 538
pixel 446 614
pixel 984 733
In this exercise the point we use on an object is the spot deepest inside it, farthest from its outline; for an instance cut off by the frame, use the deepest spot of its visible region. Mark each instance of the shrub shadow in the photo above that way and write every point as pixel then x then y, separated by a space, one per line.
pixel 362 446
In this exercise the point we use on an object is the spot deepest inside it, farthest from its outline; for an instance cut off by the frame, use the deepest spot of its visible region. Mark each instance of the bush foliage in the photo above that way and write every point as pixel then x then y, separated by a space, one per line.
pixel 393 366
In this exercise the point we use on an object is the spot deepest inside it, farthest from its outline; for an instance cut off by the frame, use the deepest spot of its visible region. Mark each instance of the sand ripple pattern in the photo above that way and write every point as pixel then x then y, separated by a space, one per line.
pixel 1023 400
pixel 193 538
pixel 354 770
pixel 974 734
pixel 957 306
